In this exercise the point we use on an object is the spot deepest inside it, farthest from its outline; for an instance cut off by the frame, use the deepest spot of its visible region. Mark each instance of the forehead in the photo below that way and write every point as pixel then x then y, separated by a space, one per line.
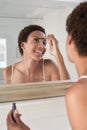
pixel 38 34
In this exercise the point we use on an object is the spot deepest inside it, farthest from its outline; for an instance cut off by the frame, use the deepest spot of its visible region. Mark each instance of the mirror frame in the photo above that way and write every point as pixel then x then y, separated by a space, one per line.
pixel 37 90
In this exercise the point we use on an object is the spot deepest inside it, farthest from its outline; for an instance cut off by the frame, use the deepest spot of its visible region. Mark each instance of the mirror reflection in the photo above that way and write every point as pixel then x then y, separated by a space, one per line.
pixel 50 15
pixel 32 42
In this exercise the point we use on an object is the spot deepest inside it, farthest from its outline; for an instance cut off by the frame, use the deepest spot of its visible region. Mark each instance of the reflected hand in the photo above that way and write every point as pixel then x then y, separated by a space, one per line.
pixel 53 42
pixel 19 125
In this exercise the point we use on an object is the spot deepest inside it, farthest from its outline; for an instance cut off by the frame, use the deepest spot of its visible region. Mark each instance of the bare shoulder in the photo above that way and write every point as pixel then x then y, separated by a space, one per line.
pixel 76 98
pixel 7 74
pixel 78 89
pixel 76 104
pixel 51 63
pixel 8 70
pixel 52 69
pixel 51 66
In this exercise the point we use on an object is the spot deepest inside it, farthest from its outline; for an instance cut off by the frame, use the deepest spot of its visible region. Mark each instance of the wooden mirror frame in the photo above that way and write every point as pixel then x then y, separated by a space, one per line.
pixel 27 91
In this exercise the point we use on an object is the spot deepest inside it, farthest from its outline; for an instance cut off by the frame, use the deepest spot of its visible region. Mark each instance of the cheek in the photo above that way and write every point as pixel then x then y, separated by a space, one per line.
pixel 68 52
pixel 27 49
pixel 66 48
pixel 45 49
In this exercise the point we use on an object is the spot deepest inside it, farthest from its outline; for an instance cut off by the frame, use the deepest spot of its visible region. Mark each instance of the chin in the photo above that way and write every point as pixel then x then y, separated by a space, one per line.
pixel 37 58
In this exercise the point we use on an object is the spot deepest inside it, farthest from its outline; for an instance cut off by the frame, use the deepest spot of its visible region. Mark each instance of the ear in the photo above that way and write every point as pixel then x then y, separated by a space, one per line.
pixel 23 45
pixel 69 39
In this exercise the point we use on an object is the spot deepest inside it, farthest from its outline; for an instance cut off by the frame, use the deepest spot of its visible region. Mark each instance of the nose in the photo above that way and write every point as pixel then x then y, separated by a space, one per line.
pixel 42 46
pixel 41 43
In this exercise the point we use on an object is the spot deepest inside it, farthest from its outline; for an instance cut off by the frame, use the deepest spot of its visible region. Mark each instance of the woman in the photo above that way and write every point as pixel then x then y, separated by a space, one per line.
pixel 76 95
pixel 32 42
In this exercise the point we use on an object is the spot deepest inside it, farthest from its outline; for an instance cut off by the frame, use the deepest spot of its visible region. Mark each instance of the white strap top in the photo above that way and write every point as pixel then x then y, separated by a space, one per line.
pixel 43 71
pixel 12 74
pixel 83 76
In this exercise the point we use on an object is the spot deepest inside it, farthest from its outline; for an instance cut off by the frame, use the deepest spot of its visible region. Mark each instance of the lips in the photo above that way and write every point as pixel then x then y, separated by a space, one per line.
pixel 38 52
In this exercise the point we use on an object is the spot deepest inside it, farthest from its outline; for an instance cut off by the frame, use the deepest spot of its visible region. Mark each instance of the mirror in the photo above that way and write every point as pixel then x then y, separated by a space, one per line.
pixel 14 15
pixel 51 14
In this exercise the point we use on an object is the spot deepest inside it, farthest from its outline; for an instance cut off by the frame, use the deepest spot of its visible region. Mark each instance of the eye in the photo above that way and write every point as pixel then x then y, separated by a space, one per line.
pixel 44 42
pixel 36 40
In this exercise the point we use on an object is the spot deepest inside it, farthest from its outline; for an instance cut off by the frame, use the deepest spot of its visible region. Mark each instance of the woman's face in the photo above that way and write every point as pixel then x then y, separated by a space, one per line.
pixel 35 46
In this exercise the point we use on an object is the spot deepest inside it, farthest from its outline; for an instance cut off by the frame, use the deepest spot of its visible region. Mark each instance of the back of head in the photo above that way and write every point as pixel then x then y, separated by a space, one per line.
pixel 25 32
pixel 76 26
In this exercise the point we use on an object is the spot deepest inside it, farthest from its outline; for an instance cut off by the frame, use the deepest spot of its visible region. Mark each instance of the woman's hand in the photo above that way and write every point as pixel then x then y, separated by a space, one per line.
pixel 19 125
pixel 53 43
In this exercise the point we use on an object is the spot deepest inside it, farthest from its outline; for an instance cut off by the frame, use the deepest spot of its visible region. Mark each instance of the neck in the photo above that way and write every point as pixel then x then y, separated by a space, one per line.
pixel 81 65
pixel 30 66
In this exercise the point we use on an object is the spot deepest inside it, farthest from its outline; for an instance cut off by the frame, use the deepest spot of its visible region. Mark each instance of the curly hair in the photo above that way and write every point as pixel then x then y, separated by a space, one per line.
pixel 76 26
pixel 25 32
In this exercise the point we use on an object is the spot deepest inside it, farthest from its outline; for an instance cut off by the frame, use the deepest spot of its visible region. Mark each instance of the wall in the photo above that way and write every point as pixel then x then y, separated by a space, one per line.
pixel 1 76
pixel 39 114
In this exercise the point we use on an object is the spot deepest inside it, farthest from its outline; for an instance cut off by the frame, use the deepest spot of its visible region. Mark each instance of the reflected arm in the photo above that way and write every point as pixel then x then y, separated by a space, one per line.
pixel 58 56
pixel 61 65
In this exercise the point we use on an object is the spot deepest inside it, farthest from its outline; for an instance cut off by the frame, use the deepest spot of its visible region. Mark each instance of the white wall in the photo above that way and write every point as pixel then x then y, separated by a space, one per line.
pixel 39 114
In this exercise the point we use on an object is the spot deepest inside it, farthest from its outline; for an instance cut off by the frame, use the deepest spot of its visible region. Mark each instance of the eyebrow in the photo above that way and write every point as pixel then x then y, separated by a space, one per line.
pixel 39 38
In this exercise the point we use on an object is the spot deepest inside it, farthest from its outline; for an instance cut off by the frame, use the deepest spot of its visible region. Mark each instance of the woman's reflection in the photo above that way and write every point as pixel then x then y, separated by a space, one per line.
pixel 32 42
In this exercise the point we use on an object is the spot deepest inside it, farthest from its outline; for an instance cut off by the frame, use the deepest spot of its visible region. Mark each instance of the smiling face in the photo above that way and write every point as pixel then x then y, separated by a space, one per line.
pixel 35 46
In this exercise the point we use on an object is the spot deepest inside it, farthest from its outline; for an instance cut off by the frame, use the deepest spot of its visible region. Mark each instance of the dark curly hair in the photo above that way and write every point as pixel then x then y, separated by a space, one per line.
pixel 76 26
pixel 25 32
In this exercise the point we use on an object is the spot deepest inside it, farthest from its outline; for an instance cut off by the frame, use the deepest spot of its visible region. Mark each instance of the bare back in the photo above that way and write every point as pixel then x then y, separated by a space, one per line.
pixel 76 102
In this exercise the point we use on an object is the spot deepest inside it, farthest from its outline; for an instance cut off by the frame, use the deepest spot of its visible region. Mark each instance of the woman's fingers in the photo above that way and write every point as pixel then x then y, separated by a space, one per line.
pixel 17 117
pixel 51 39
pixel 9 119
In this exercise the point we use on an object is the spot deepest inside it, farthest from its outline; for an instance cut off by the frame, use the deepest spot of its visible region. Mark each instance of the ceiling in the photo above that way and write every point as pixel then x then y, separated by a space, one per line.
pixel 34 9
